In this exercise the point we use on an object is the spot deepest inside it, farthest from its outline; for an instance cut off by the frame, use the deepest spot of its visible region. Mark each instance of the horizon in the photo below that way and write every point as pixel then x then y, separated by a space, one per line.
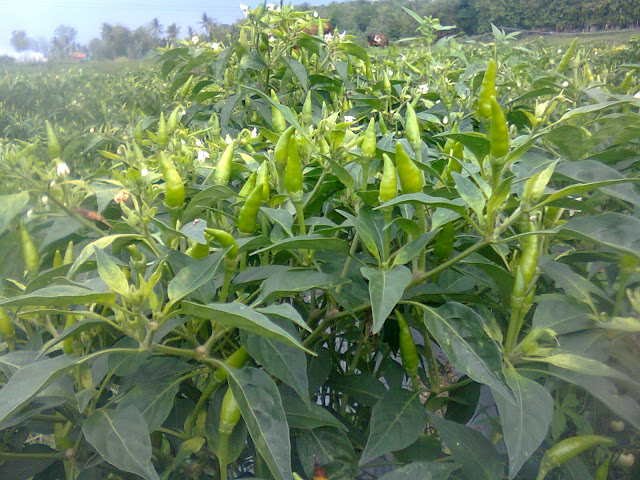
pixel 40 18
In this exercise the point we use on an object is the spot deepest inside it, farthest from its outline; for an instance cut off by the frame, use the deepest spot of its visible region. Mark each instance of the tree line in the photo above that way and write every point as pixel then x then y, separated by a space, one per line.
pixel 359 18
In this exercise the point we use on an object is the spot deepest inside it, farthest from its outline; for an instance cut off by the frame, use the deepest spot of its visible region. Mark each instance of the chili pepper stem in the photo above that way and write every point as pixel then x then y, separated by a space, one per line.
pixel 202 401
pixel 515 325
pixel 387 213
pixel 347 263
pixel 224 291
pixel 432 364
pixel 422 221
pixel 223 455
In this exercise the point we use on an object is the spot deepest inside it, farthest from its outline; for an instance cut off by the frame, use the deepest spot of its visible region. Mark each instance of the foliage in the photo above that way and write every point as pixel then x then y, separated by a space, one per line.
pixel 144 324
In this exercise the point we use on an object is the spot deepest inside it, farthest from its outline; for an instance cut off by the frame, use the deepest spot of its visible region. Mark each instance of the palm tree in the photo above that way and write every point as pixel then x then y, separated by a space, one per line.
pixel 172 33
pixel 208 23
pixel 155 28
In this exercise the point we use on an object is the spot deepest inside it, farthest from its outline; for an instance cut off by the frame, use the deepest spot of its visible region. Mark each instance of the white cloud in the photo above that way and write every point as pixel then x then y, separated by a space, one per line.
pixel 28 56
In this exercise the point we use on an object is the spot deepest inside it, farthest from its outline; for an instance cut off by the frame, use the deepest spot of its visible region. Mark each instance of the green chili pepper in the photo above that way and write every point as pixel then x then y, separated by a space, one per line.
pixel 68 254
pixel 223 168
pixel 569 448
pixel 603 470
pixel 307 111
pixel 529 258
pixel 172 122
pixel 587 75
pixel 249 212
pixel 411 179
pixel 412 128
pixel 57 259
pixel 369 141
pixel 226 240
pixel 249 185
pixel 281 151
pixel 29 252
pixel 67 343
pixel 53 144
pixel 386 84
pixel 383 127
pixel 174 186
pixel 408 351
pixel 198 251
pixel 162 137
pixel 263 180
pixel 293 178
pixel 7 330
pixel 237 359
pixel 389 180
pixel 444 241
pixel 185 89
pixel 568 55
pixel 277 119
pixel 487 90
pixel 627 83
pixel 230 415
pixel 499 134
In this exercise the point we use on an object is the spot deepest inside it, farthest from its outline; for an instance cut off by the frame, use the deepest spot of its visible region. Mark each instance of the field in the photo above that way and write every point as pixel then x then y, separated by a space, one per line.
pixel 294 257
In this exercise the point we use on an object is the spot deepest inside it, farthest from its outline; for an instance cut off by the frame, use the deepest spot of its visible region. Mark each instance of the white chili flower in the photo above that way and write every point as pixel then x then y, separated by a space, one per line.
pixel 423 88
pixel 121 197
pixel 144 172
pixel 565 84
pixel 637 95
pixel 315 14
pixel 195 39
pixel 390 73
pixel 228 139
pixel 272 38
pixel 445 120
pixel 29 212
pixel 44 199
pixel 403 57
pixel 92 130
pixel 203 155
pixel 271 6
pixel 216 46
pixel 349 118
pixel 254 133
pixel 198 142
pixel 342 35
pixel 328 37
pixel 245 9
pixel 559 50
pixel 62 170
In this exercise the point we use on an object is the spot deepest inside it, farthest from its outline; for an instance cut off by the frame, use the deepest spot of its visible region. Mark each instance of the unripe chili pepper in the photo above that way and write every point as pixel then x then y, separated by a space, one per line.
pixel 162 137
pixel 185 89
pixel 263 180
pixel 57 259
pixel 499 134
pixel 137 134
pixel 198 250
pixel 568 55
pixel 230 415
pixel 529 259
pixel 249 212
pixel 603 470
pixel 237 359
pixel 408 351
pixel 137 153
pixel 67 343
pixel 174 186
pixel 411 179
pixel 249 185
pixel 383 126
pixel 223 168
pixel 386 84
pixel 225 239
pixel 389 181
pixel 587 75
pixel 53 145
pixel 569 448
pixel 627 82
pixel 444 241
pixel 293 178
pixel 277 119
pixel 281 151
pixel 412 127
pixel 7 330
pixel 487 90
pixel 307 111
pixel 369 141
pixel 29 252
pixel 172 122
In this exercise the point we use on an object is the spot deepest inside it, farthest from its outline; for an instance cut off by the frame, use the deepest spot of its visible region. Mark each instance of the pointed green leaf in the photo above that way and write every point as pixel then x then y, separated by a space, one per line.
pixel 284 283
pixel 111 274
pixel 470 193
pixel 195 275
pixel 561 314
pixel 309 242
pixel 10 207
pixel 60 295
pixel 421 471
pixel 385 291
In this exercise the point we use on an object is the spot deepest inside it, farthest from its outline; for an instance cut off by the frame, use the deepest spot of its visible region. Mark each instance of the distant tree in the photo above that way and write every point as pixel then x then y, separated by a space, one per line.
pixel 63 41
pixel 20 41
pixel 172 33
pixel 208 23
pixel 156 29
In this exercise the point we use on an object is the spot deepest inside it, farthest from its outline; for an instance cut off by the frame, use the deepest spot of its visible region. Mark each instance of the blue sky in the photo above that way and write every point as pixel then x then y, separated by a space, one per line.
pixel 41 17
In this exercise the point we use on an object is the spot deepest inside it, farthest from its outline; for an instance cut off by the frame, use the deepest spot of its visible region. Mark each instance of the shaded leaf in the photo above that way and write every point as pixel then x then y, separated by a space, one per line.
pixel 385 291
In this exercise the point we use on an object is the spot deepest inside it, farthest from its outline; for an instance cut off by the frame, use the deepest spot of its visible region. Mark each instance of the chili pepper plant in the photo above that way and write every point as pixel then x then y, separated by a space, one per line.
pixel 314 256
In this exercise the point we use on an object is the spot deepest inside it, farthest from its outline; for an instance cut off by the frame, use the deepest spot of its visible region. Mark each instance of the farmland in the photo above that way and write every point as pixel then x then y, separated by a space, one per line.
pixel 290 255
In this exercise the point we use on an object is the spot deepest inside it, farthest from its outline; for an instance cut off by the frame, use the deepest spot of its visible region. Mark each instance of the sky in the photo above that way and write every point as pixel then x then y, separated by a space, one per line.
pixel 39 18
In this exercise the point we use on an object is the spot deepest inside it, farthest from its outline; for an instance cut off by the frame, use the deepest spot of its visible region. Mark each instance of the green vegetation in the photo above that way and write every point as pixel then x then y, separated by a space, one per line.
pixel 287 253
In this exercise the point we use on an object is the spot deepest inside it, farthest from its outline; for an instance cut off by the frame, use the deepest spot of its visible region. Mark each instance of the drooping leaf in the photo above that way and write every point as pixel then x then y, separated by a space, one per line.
pixel 561 314
pixel 284 283
pixel 111 274
pixel 310 242
pixel 396 422
pixel 332 448
pixel 261 408
pixel 60 295
pixel 385 291
pixel 153 401
pixel 308 417
pixel 10 207
pixel 121 437
pixel 195 275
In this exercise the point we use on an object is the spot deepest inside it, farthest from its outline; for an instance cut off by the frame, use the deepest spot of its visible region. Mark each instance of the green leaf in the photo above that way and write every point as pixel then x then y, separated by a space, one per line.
pixel 204 200
pixel 81 326
pixel 470 193
pixel 457 204
pixel 586 366
pixel 309 242
pixel 385 291
pixel 284 283
pixel 477 143
pixel 195 275
pixel 572 283
pixel 60 295
pixel 299 70
pixel 238 438
pixel 153 400
pixel 412 249
pixel 397 420
pixel 479 459
pixel 28 381
pixel 609 229
pixel 308 417
pixel 421 471
pixel 99 244
pixel 286 363
pixel 364 388
pixel 287 113
pixel 10 207
pixel 460 333
pixel 525 423
pixel 262 410
pixel 332 448
pixel 370 234
pixel 561 314
pixel 121 437
pixel 237 315
pixel 281 217
pixel 111 274
pixel 286 311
